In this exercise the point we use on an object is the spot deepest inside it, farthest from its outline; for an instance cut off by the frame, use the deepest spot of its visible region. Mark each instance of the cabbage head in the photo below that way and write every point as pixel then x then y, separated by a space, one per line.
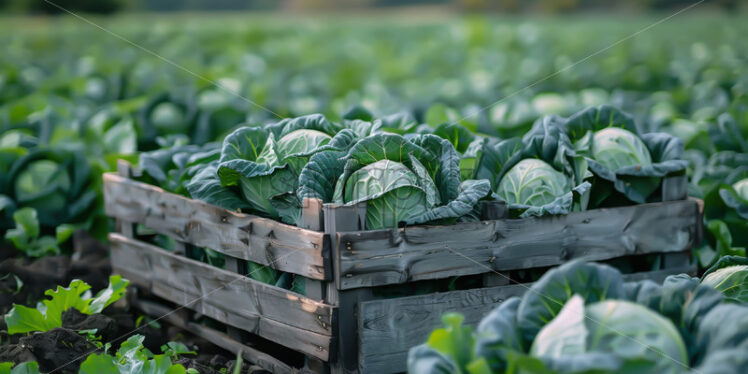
pixel 616 148
pixel 264 163
pixel 58 183
pixel 612 333
pixel 32 185
pixel 623 160
pixel 741 188
pixel 533 182
pixel 413 180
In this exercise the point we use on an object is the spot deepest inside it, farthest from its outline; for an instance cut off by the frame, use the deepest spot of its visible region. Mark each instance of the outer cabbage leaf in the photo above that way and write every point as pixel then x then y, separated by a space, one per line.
pixel 206 186
pixel 725 327
pixel 638 335
pixel 729 276
pixel 497 335
pixel 547 296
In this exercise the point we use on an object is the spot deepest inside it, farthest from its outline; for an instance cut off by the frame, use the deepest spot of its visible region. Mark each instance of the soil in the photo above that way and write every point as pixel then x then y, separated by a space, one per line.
pixel 59 348
pixel 65 345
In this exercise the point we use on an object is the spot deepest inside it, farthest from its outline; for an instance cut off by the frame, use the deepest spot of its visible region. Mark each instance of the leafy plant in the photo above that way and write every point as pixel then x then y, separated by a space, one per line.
pixel 729 275
pixel 582 317
pixel 48 313
pixel 414 180
pixel 22 368
pixel 618 154
pixel 26 236
pixel 57 183
pixel 537 175
pixel 133 358
pixel 265 163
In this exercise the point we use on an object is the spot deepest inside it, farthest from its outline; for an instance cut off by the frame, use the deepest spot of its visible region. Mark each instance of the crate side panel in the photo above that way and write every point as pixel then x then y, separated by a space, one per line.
pixel 388 328
pixel 273 313
pixel 372 258
pixel 265 241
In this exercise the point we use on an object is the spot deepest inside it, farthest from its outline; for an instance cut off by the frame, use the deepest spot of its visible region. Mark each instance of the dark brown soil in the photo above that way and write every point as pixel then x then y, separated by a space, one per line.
pixel 66 346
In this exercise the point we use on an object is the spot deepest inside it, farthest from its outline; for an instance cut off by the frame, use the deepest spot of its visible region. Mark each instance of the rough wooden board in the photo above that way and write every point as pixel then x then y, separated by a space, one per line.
pixel 344 357
pixel 216 337
pixel 273 313
pixel 388 328
pixel 380 257
pixel 265 241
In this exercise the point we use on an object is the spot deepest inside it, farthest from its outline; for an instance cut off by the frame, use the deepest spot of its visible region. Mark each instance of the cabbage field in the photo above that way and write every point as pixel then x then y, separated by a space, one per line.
pixel 422 117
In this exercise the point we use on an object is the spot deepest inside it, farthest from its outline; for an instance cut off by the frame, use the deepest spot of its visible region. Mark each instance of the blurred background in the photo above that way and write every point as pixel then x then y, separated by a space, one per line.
pixel 129 76
pixel 545 6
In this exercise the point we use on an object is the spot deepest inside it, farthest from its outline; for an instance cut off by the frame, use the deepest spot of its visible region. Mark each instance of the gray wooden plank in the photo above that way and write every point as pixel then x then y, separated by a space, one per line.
pixel 379 257
pixel 218 338
pixel 338 217
pixel 264 241
pixel 388 328
pixel 288 318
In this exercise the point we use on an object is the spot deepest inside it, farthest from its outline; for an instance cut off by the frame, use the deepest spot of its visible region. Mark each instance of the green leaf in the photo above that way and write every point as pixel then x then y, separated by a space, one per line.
pixel 454 340
pixel 21 319
pixel 48 314
pixel 636 333
pixel 729 276
pixel 548 295
pixel 261 273
pixel 498 336
pixel 114 291
pixel 27 228
pixel 64 232
pixel 99 364
pixel 206 186
pixel 174 349
pixel 30 367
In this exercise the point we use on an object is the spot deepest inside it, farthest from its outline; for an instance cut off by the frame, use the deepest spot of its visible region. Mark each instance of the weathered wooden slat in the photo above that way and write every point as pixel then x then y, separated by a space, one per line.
pixel 344 355
pixel 393 256
pixel 218 338
pixel 265 241
pixel 271 312
pixel 388 328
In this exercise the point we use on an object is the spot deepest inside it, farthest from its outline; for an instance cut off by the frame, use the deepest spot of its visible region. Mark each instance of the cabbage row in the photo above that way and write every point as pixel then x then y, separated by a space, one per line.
pixel 411 173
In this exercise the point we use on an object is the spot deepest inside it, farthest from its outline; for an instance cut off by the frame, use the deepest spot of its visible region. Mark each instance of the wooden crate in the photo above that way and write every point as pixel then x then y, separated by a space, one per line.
pixel 344 324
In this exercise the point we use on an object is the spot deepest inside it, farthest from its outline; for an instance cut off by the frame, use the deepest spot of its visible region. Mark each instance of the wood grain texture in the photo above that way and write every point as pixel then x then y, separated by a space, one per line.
pixel 265 241
pixel 276 314
pixel 388 328
pixel 216 337
pixel 372 258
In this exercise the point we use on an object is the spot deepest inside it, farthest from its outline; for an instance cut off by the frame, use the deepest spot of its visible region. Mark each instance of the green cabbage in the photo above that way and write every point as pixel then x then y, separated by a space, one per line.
pixel 36 178
pixel 741 188
pixel 413 180
pixel 616 148
pixel 265 162
pixel 533 182
pixel 168 118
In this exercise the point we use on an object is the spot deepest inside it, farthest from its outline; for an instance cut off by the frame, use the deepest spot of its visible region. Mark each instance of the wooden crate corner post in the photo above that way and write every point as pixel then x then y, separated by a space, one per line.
pixel 345 350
